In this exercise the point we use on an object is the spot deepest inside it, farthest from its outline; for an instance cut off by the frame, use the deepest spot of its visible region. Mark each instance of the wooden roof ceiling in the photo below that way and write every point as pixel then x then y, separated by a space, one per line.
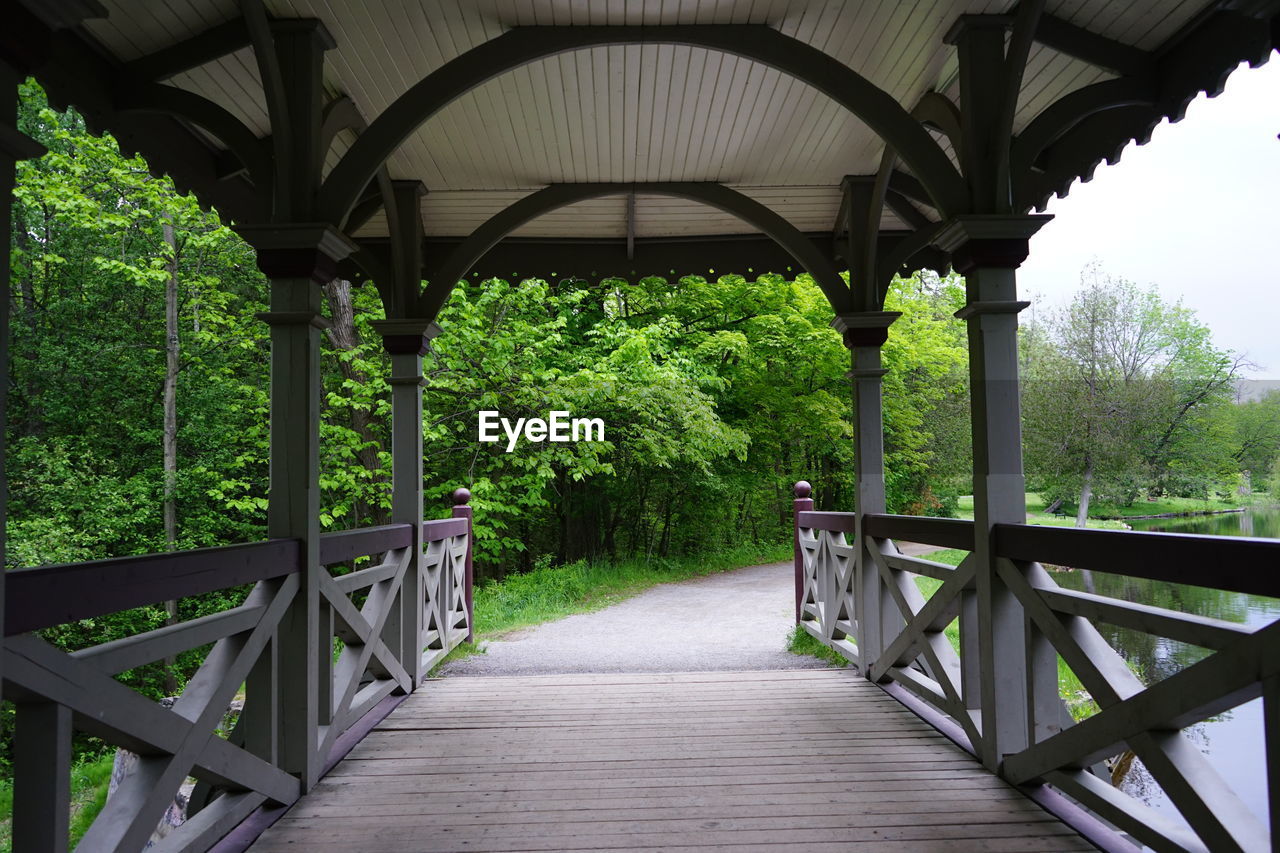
pixel 633 113
pixel 691 127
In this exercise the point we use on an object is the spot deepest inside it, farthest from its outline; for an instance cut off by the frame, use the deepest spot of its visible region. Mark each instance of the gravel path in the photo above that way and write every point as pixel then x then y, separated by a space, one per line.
pixel 736 620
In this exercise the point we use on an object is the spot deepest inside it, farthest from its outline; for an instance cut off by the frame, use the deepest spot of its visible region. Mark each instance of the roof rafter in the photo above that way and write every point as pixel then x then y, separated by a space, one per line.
pixel 1067 38
pixel 202 48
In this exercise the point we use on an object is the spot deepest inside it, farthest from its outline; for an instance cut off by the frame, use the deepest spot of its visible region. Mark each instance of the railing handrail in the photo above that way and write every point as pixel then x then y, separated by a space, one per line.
pixel 42 597
pixel 45 596
pixel 1229 563
pixel 435 529
pixel 835 521
pixel 340 546
pixel 922 529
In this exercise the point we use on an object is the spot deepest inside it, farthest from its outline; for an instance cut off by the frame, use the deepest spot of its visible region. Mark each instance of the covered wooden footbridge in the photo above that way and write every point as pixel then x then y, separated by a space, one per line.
pixel 437 140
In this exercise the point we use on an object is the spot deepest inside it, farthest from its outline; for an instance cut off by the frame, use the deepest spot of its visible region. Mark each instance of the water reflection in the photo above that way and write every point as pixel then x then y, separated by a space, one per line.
pixel 1232 740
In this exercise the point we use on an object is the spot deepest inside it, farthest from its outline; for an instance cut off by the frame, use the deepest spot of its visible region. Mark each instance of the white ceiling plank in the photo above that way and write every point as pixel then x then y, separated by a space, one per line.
pixel 627 113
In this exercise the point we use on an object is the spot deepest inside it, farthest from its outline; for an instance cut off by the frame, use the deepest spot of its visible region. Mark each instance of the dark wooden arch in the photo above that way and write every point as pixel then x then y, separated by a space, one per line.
pixel 1060 117
pixel 760 43
pixel 169 100
pixel 469 252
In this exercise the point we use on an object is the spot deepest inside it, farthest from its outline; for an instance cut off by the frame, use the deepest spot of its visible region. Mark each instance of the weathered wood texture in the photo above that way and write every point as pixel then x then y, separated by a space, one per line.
pixel 783 760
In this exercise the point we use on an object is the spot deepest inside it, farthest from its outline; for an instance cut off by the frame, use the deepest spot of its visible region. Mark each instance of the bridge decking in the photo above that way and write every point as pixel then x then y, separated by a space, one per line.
pixel 819 760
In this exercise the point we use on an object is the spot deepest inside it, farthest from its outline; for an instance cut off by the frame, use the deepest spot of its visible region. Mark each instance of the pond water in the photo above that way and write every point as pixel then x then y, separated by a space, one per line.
pixel 1233 740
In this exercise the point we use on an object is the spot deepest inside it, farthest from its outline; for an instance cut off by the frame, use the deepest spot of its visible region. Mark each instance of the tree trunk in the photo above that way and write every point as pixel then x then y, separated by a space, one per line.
pixel 1086 492
pixel 343 337
pixel 171 353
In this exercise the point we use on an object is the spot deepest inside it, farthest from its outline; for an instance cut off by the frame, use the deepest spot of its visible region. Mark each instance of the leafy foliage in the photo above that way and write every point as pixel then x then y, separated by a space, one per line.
pixel 1126 394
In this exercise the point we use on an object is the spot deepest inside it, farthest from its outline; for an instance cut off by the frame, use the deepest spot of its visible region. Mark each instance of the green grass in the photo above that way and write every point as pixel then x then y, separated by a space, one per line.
pixel 801 642
pixel 552 592
pixel 1163 506
pixel 458 652
pixel 1107 516
pixel 1036 514
pixel 89 782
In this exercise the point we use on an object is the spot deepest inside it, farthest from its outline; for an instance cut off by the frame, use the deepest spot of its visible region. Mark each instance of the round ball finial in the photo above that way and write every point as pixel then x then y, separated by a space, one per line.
pixel 803 489
pixel 461 496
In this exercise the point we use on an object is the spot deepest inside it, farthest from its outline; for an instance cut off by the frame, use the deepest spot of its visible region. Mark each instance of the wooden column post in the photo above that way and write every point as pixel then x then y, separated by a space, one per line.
pixel 988 250
pixel 42 777
pixel 462 509
pixel 802 503
pixel 14 146
pixel 289 693
pixel 298 259
pixel 1271 736
pixel 864 334
pixel 406 342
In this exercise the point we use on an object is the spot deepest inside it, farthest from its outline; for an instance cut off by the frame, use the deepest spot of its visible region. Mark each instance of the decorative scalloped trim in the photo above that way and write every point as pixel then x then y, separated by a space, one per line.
pixel 1142 135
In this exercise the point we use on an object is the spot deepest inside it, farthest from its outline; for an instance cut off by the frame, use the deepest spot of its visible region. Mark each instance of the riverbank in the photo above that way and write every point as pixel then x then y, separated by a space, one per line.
pixel 1105 516
pixel 1036 514
pixel 1168 507
pixel 1181 514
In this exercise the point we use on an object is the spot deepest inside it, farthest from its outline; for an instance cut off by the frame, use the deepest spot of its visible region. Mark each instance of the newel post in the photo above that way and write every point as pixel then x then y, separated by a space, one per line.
pixel 802 503
pixel 461 509
pixel 864 333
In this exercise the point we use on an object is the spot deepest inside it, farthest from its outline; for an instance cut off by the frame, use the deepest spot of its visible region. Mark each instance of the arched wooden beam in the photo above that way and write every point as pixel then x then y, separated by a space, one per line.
pixel 1059 118
pixel 472 249
pixel 937 110
pixel 371 201
pixel 1025 21
pixel 864 206
pixel 870 284
pixel 763 44
pixel 1101 136
pixel 239 139
pixel 273 89
pixel 897 258
pixel 906 211
pixel 340 114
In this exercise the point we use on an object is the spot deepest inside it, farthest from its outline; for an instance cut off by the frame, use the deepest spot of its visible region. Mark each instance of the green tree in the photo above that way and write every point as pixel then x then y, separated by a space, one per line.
pixel 1256 428
pixel 1125 394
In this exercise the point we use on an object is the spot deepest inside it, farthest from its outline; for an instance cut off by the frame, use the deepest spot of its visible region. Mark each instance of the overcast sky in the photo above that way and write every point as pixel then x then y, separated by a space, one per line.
pixel 1196 212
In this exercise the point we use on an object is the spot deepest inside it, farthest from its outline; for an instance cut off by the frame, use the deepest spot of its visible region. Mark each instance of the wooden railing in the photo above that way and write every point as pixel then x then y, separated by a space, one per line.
pixel 394 619
pixel 857 605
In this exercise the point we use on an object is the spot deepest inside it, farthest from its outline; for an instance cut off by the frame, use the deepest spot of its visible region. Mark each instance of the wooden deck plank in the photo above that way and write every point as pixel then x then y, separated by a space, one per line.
pixel 807 759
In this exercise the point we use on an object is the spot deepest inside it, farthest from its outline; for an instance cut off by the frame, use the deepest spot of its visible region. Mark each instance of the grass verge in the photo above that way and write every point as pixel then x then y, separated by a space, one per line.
pixel 801 642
